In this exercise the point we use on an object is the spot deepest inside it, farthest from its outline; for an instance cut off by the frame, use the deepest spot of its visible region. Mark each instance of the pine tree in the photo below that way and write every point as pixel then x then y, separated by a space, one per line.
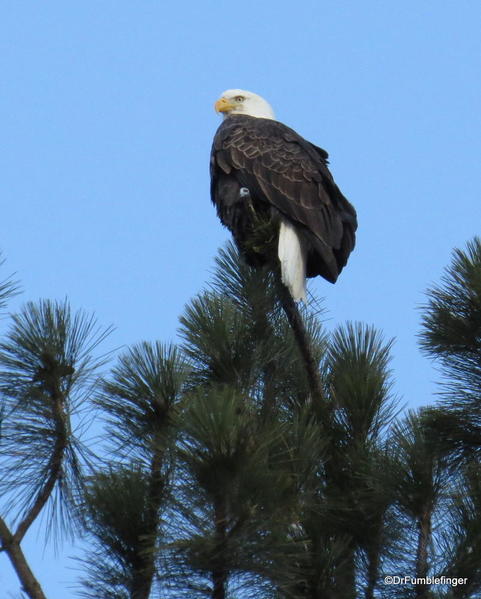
pixel 451 336
pixel 225 473
pixel 46 371
pixel 127 500
pixel 242 345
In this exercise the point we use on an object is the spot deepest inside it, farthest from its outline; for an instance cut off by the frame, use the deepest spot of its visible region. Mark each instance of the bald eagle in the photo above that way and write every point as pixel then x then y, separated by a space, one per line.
pixel 260 168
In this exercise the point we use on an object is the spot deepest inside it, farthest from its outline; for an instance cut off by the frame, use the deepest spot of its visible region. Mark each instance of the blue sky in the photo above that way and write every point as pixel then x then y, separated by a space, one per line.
pixel 107 120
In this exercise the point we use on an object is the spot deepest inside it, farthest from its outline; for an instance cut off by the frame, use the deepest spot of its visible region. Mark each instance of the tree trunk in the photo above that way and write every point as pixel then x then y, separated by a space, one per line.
pixel 144 574
pixel 424 538
pixel 219 570
pixel 372 572
pixel 347 577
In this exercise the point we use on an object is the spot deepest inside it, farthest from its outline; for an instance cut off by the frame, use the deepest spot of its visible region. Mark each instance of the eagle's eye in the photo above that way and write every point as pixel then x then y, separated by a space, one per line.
pixel 239 98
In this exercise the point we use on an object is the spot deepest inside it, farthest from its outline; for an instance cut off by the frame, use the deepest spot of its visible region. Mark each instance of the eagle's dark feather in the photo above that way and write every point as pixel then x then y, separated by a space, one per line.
pixel 285 175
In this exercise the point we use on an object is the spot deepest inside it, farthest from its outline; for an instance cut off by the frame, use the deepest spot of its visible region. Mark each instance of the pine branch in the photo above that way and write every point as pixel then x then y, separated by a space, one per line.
pixel 54 467
pixel 424 539
pixel 302 338
pixel 219 570
pixel 143 577
pixel 43 361
pixel 140 401
pixel 8 288
pixel 12 548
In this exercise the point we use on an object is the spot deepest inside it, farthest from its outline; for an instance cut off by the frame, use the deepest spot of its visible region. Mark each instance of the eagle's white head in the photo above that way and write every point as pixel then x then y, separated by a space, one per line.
pixel 239 101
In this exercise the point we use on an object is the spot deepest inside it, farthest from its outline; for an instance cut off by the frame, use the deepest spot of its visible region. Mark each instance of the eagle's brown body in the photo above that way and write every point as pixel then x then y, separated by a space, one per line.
pixel 281 175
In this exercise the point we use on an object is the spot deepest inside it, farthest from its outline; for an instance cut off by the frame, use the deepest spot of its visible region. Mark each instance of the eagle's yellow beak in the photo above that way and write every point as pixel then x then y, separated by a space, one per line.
pixel 223 105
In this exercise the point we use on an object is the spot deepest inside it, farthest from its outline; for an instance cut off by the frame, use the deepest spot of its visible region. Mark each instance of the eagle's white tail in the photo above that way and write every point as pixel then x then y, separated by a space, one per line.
pixel 293 261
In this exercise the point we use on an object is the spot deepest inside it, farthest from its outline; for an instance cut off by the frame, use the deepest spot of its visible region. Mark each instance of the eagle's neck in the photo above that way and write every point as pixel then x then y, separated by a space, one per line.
pixel 258 111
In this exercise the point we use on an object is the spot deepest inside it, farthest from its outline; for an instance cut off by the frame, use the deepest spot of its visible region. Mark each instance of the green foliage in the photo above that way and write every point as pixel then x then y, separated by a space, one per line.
pixel 47 344
pixel 229 484
pixel 140 400
pixel 349 518
pixel 334 499
pixel 451 335
pixel 237 335
pixel 452 323
pixel 463 556
pixel 225 476
pixel 218 340
pixel 46 369
pixel 119 524
pixel 422 475
pixel 8 288
pixel 251 289
pixel 359 381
